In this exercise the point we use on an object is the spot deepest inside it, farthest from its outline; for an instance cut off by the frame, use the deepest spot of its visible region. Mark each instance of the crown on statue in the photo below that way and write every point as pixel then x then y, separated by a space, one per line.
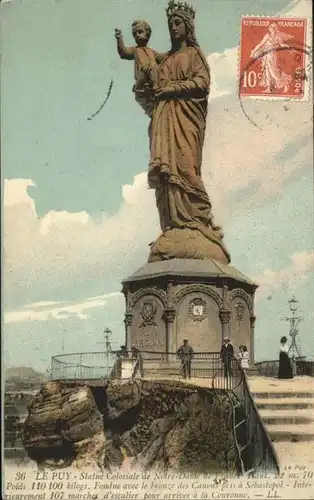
pixel 174 7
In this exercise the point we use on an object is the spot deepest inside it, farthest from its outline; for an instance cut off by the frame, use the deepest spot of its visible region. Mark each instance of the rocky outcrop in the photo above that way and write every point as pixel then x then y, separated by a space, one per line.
pixel 61 422
pixel 149 424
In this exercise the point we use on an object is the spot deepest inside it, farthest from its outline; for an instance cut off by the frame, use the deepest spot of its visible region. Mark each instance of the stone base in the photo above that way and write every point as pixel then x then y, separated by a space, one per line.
pixel 201 300
pixel 186 244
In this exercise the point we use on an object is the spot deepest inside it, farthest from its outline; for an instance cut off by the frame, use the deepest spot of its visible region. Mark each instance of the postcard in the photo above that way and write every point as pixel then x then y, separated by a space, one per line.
pixel 158 262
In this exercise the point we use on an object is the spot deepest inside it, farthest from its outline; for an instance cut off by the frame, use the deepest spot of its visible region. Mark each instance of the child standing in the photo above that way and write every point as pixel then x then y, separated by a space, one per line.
pixel 146 61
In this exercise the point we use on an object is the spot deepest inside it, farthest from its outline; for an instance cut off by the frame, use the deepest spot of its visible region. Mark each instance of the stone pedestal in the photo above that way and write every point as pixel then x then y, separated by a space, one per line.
pixel 201 300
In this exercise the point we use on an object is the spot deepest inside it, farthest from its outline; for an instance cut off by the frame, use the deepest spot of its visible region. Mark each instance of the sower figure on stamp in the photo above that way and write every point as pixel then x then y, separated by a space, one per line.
pixel 146 60
pixel 273 78
pixel 226 355
pixel 186 354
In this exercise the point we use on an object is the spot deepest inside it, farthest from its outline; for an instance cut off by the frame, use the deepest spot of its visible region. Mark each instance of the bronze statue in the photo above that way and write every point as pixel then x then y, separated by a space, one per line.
pixel 177 132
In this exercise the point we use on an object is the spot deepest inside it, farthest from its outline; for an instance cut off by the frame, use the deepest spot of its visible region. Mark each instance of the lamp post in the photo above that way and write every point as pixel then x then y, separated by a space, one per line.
pixel 294 320
pixel 107 344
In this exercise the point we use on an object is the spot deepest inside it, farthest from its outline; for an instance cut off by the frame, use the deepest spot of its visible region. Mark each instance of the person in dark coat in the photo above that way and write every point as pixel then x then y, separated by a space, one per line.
pixel 186 354
pixel 123 353
pixel 285 367
pixel 226 355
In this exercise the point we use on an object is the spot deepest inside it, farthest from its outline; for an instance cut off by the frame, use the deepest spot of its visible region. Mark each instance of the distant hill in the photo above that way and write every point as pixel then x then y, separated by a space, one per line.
pixel 23 373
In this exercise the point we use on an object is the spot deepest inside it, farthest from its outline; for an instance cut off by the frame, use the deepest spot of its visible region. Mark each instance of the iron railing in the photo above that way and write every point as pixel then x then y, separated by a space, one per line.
pixel 305 368
pixel 256 453
pixel 270 368
pixel 98 365
pixel 82 365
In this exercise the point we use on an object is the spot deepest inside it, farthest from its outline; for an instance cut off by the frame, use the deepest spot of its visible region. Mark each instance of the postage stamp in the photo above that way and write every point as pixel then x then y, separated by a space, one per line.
pixel 273 57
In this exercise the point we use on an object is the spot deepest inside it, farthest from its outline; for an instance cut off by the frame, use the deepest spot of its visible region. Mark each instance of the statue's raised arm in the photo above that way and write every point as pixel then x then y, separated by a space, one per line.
pixel 123 51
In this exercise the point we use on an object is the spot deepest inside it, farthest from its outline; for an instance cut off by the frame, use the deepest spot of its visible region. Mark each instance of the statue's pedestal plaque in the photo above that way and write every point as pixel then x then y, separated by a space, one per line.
pixel 201 300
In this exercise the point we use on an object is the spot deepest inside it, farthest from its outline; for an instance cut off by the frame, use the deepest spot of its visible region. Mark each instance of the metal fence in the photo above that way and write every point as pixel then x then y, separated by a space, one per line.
pixel 82 365
pixel 255 449
pixel 270 368
pixel 204 368
pixel 152 364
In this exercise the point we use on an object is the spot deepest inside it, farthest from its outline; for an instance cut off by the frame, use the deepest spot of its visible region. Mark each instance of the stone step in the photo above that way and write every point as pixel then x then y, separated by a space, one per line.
pixel 287 417
pixel 284 403
pixel 292 433
pixel 283 395
pixel 295 453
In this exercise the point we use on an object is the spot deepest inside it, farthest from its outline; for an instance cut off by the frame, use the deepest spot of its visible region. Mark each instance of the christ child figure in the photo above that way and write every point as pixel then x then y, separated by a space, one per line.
pixel 146 61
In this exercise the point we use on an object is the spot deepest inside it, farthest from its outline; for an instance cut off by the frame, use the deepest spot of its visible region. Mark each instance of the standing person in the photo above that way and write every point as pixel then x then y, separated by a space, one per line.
pixel 137 356
pixel 285 367
pixel 243 357
pixel 185 353
pixel 226 355
pixel 123 353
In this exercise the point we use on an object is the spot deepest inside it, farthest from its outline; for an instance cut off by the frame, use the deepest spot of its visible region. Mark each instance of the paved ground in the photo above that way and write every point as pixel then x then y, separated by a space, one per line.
pixel 295 453
pixel 269 384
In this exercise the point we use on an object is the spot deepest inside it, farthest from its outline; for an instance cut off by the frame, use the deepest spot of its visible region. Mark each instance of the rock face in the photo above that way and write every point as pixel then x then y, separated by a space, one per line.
pixel 148 424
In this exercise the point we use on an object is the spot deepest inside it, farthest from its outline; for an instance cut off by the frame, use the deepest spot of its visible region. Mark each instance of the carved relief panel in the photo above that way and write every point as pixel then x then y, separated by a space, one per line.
pixel 148 331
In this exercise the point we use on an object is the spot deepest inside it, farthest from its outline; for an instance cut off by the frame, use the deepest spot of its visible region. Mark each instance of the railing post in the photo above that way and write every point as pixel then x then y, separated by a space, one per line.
pixel 252 324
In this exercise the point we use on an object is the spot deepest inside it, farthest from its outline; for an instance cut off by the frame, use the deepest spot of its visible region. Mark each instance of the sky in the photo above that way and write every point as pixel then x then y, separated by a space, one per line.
pixel 77 214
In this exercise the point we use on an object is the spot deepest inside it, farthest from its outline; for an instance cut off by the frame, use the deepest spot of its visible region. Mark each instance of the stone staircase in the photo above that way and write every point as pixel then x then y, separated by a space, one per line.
pixel 287 414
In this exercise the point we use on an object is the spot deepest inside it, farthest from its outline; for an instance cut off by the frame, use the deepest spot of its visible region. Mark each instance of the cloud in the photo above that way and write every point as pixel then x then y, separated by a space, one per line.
pixel 256 162
pixel 60 249
pixel 15 193
pixel 244 166
pixel 47 310
pixel 297 8
pixel 224 67
pixel 287 279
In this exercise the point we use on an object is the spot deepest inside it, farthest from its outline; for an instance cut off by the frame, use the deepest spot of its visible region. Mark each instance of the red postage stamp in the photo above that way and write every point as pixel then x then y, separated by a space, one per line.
pixel 273 57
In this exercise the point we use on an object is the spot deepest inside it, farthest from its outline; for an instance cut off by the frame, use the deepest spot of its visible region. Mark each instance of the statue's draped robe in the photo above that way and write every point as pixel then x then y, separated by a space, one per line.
pixel 177 132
